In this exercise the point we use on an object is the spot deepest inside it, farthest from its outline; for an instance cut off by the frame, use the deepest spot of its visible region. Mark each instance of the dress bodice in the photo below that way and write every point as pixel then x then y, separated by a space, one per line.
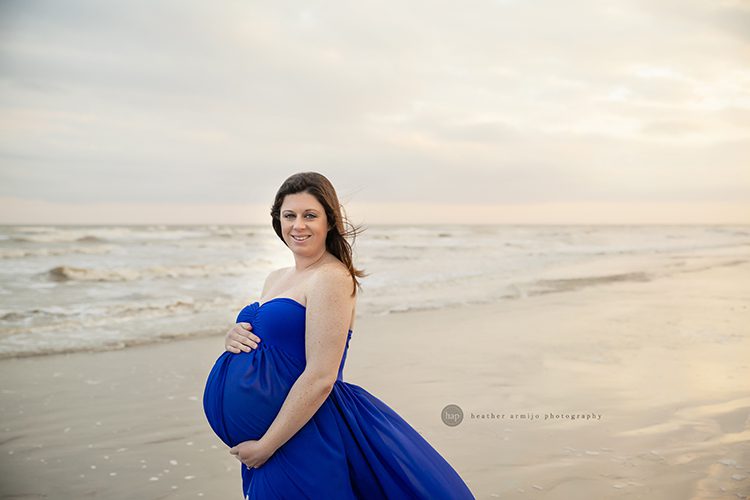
pixel 280 322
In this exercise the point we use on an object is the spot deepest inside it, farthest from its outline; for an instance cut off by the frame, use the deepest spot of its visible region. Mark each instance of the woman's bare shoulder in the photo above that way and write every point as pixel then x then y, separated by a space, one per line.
pixel 335 268
pixel 332 275
pixel 334 278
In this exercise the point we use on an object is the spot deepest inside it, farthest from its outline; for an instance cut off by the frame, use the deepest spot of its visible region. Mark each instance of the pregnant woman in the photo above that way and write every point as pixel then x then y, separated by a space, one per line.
pixel 282 407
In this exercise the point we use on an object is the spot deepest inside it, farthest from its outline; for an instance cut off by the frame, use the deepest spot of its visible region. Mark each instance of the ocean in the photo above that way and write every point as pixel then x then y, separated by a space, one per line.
pixel 79 288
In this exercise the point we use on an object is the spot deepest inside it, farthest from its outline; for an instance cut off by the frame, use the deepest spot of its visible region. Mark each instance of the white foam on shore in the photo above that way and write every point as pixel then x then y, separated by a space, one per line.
pixel 71 289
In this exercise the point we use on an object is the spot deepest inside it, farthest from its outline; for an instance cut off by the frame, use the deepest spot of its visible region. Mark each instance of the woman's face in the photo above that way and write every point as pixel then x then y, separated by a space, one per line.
pixel 302 215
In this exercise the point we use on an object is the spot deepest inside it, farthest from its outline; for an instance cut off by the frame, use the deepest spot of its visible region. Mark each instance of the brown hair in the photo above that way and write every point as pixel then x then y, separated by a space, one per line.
pixel 322 189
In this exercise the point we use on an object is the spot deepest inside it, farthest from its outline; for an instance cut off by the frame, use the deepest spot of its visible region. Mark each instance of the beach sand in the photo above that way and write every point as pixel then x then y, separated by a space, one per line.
pixel 655 368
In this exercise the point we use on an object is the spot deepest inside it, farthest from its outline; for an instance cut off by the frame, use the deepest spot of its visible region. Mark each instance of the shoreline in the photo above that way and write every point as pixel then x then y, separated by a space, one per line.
pixel 664 362
pixel 593 271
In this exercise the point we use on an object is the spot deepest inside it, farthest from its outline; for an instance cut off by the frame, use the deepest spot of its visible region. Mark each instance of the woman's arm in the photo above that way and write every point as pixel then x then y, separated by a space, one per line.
pixel 329 308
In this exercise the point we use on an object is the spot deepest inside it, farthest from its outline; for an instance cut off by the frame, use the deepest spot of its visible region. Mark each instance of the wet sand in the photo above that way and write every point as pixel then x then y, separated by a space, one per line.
pixel 629 387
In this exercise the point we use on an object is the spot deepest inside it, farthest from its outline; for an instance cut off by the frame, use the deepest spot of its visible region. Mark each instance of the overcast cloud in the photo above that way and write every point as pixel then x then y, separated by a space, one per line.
pixel 464 102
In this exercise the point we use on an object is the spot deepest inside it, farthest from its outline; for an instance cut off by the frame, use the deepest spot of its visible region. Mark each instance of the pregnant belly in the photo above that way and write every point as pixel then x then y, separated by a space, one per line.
pixel 244 392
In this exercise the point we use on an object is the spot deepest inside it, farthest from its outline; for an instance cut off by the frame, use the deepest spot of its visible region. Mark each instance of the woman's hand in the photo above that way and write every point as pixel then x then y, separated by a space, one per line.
pixel 239 338
pixel 252 453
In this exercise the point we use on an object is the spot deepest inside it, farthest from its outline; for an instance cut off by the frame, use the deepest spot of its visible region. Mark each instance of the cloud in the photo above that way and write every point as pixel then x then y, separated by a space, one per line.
pixel 149 102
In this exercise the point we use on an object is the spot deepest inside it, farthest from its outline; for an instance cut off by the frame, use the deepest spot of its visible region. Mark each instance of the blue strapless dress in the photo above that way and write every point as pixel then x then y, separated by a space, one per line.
pixel 355 446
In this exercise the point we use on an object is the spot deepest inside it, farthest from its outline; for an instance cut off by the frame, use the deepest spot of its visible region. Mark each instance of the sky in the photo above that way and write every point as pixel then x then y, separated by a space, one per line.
pixel 419 112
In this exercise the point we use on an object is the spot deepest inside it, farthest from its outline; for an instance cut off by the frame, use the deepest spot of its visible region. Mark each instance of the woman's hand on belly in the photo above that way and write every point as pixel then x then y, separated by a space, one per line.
pixel 252 453
pixel 240 338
